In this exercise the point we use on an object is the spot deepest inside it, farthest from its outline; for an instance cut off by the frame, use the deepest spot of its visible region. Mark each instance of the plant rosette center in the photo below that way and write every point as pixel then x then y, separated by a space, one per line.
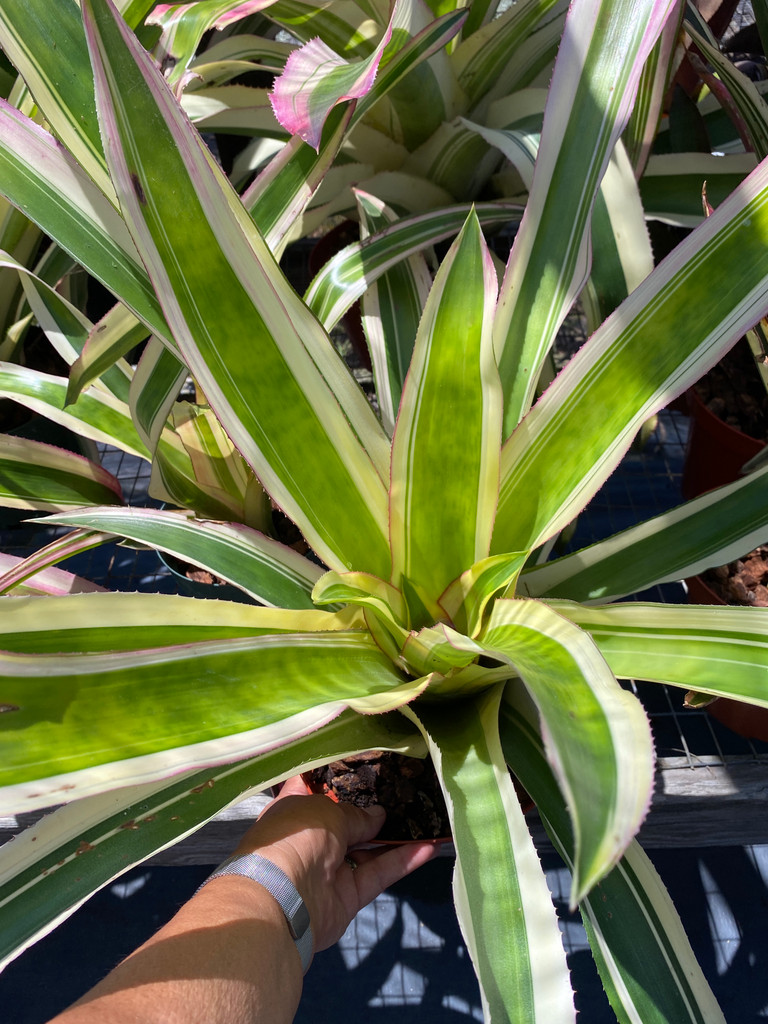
pixel 455 661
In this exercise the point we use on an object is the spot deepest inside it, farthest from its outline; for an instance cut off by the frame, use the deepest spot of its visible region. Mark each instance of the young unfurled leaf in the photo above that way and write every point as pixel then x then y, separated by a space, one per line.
pixel 315 79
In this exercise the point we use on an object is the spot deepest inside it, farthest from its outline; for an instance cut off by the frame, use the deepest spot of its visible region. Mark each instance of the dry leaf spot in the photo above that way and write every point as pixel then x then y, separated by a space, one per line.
pixel 137 188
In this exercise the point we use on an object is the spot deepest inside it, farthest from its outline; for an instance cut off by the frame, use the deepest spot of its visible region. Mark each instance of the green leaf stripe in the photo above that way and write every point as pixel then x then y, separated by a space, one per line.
pixel 643 125
pixel 132 622
pixel 345 277
pixel 448 461
pixel 597 735
pixel 220 284
pixel 504 907
pixel 488 57
pixel 710 530
pixel 279 195
pixel 95 415
pixel 720 651
pixel 154 389
pixel 644 957
pixel 269 571
pixel 628 371
pixel 34 475
pixel 201 703
pixel 548 264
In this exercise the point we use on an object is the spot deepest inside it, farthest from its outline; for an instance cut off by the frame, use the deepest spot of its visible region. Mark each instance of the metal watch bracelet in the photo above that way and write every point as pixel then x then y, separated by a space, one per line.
pixel 279 885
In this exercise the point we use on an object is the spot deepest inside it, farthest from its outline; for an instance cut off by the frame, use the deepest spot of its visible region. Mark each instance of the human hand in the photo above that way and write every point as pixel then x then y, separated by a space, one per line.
pixel 224 958
pixel 315 841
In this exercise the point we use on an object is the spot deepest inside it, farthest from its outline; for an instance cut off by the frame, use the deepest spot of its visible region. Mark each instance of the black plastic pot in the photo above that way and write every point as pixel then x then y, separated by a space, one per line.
pixel 197 588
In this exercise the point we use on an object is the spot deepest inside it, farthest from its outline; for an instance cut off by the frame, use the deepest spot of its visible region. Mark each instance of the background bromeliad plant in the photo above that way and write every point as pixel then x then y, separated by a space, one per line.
pixel 438 625
pixel 463 126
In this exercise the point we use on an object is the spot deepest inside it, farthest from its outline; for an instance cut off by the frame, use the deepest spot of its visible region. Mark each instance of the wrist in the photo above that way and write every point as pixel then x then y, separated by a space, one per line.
pixel 259 872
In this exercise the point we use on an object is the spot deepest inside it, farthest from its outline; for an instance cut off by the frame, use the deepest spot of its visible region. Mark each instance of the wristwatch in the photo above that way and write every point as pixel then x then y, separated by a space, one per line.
pixel 279 885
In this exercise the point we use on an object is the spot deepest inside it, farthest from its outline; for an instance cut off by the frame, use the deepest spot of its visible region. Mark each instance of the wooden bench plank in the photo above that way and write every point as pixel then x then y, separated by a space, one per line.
pixel 710 805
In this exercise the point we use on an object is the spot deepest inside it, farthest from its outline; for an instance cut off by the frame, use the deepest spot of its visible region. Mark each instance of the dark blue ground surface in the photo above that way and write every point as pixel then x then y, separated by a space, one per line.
pixel 419 972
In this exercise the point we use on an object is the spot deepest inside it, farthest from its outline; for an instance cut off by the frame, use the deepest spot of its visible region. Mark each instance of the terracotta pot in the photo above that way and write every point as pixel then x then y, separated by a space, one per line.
pixel 744 719
pixel 716 451
pixel 700 592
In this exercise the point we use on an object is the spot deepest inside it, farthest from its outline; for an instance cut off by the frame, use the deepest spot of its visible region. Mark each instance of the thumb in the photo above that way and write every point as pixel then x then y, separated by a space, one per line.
pixel 362 823
pixel 295 786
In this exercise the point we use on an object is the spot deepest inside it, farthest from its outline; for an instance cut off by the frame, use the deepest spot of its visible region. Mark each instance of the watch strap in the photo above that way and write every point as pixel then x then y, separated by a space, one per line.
pixel 279 885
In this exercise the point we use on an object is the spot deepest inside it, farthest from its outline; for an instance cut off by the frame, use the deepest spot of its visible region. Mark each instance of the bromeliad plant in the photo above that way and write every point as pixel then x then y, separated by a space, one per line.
pixel 435 623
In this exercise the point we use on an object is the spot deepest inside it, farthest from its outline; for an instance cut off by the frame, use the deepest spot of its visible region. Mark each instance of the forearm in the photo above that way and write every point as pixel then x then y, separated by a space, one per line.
pixel 226 958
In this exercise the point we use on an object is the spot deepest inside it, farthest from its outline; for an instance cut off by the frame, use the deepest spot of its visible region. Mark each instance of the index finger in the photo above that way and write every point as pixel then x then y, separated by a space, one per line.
pixel 381 868
pixel 360 824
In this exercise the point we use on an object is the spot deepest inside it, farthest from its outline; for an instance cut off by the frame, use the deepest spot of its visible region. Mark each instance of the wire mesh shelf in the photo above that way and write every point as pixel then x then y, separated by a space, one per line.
pixel 742 18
